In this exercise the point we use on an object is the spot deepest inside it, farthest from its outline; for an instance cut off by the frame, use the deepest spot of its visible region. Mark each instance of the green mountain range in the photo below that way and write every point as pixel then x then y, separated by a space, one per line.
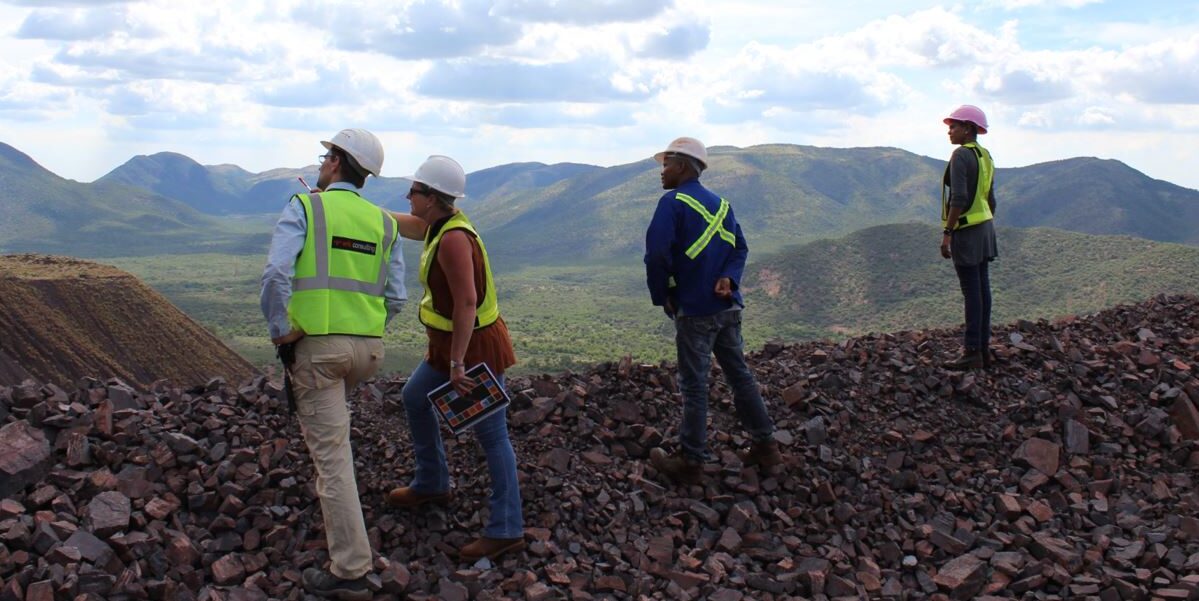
pixel 231 190
pixel 569 213
pixel 783 194
pixel 42 212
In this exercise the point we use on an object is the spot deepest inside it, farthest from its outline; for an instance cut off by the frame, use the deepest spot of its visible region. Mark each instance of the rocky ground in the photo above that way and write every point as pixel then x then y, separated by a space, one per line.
pixel 1065 472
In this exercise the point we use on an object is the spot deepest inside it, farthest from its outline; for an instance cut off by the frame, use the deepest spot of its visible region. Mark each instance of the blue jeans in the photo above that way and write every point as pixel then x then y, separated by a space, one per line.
pixel 432 473
pixel 697 339
pixel 975 281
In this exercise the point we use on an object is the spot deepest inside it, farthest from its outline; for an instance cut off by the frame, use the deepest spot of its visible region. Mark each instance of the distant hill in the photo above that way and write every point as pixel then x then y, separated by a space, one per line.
pixel 891 277
pixel 64 319
pixel 1096 196
pixel 42 212
pixel 231 190
pixel 567 213
pixel 209 189
pixel 786 194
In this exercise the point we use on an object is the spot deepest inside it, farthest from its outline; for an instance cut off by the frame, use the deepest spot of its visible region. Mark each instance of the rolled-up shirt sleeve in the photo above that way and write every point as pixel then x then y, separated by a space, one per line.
pixel 394 294
pixel 287 241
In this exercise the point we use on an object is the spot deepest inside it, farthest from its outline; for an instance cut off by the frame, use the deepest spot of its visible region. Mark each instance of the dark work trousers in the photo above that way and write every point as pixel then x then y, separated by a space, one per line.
pixel 976 290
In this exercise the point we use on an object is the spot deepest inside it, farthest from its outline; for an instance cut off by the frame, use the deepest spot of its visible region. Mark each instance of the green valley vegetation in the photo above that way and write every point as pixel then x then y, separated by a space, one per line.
pixel 566 242
pixel 883 278
pixel 891 278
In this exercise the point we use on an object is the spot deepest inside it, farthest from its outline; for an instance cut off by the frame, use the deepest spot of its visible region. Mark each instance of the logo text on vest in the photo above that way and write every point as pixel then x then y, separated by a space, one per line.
pixel 358 246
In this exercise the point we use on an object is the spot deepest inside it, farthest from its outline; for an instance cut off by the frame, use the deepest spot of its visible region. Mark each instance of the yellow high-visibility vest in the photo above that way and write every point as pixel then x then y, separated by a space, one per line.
pixel 980 209
pixel 341 272
pixel 487 312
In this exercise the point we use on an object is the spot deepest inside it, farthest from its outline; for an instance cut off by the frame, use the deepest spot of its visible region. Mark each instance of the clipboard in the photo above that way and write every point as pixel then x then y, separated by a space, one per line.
pixel 459 413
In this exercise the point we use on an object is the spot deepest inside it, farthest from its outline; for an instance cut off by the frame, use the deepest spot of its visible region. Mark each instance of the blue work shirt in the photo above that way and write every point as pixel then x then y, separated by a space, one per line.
pixel 286 243
pixel 673 229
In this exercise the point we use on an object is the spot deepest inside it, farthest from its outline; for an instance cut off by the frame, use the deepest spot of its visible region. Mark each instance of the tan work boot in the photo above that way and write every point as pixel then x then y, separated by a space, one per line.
pixel 762 452
pixel 676 467
pixel 490 548
pixel 405 497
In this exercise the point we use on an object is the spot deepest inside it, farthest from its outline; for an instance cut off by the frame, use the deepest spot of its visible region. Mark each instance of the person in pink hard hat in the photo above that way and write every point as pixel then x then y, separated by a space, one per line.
pixel 968 234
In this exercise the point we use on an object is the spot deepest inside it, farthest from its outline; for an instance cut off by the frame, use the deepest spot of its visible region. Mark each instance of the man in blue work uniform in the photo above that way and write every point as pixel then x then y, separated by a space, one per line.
pixel 694 256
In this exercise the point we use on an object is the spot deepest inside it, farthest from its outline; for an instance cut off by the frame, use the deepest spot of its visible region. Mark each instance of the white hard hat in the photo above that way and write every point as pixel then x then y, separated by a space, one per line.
pixel 362 145
pixel 442 174
pixel 687 146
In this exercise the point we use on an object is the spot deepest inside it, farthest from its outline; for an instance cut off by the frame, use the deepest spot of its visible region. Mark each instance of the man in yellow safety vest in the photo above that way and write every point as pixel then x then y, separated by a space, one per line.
pixel 334 279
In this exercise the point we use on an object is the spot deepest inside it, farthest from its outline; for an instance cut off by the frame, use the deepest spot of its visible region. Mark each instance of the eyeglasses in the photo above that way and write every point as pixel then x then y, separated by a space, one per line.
pixel 415 190
pixel 321 159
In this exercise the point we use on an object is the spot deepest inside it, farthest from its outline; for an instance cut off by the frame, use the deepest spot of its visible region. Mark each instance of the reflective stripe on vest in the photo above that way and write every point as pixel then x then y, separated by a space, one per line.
pixel 980 208
pixel 488 310
pixel 322 280
pixel 715 224
pixel 341 273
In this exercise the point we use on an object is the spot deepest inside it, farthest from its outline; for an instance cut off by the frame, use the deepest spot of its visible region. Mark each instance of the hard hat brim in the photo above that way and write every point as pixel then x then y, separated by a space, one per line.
pixel 413 178
pixel 981 130
pixel 661 157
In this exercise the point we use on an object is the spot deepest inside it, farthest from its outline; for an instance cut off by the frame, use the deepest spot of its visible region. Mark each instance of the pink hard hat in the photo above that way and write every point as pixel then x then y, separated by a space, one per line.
pixel 971 113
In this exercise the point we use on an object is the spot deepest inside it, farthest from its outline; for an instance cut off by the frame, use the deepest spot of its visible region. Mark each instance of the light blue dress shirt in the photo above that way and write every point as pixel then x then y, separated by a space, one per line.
pixel 286 243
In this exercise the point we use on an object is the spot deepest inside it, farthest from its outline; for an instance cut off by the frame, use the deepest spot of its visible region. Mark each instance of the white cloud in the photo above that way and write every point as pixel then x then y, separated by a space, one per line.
pixel 1017 85
pixel 424 29
pixel 64 3
pixel 135 63
pixel 678 42
pixel 590 12
pixel 595 80
pixel 73 24
pixel 588 80
pixel 1020 4
pixel 334 85
pixel 1035 120
pixel 1096 116
pixel 1165 71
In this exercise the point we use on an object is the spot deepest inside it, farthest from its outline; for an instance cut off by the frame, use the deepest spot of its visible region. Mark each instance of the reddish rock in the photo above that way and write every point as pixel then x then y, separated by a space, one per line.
pixel 40 591
pixel 1040 454
pixel 1186 418
pixel 24 457
pixel 1008 507
pixel 108 513
pixel 963 576
pixel 229 569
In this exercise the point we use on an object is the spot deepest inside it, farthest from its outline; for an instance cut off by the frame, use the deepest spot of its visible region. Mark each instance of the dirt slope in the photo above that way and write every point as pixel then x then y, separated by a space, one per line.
pixel 63 318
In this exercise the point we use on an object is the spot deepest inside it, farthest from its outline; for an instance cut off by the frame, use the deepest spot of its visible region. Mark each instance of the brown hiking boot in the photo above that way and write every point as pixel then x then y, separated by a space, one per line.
pixel 762 452
pixel 967 360
pixel 490 548
pixel 676 467
pixel 405 497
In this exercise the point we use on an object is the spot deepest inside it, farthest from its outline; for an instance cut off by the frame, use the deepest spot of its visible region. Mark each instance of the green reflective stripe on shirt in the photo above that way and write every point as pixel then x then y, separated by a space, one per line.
pixel 715 224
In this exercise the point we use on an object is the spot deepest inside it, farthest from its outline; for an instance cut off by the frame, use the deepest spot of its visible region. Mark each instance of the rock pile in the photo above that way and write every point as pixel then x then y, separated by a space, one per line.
pixel 1065 472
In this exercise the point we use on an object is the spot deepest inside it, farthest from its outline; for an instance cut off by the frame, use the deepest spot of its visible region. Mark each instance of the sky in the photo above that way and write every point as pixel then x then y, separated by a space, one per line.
pixel 85 85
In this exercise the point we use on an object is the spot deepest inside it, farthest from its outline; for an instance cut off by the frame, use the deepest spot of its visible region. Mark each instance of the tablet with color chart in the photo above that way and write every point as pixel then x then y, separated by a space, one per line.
pixel 461 413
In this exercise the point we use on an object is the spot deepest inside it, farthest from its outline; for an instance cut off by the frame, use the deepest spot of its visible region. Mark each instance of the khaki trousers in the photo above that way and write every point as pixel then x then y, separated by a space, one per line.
pixel 326 370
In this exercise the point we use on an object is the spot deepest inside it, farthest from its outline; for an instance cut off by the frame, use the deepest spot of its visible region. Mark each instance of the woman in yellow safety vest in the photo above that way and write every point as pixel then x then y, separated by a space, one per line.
pixel 968 235
pixel 463 323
